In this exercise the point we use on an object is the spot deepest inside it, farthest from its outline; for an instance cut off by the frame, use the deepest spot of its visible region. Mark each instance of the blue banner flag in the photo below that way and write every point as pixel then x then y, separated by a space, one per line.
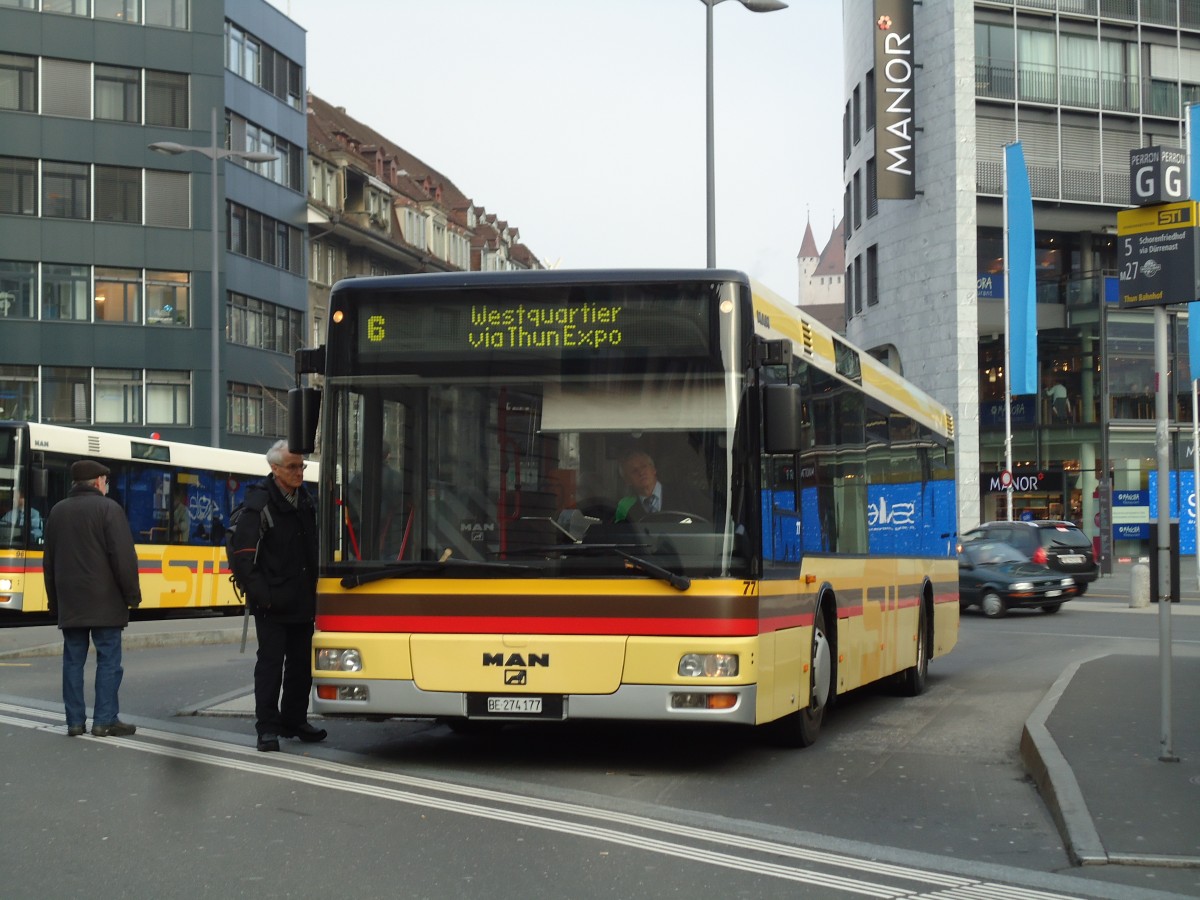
pixel 1022 293
pixel 1193 132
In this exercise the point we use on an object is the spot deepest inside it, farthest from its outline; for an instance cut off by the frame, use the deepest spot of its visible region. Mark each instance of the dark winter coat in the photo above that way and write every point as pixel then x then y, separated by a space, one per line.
pixel 90 565
pixel 280 580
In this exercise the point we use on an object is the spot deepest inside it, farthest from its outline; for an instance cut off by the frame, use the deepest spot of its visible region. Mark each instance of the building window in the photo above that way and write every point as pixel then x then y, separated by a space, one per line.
pixel 873 275
pixel 118 194
pixel 18 82
pixel 18 196
pixel 858 284
pixel 121 10
pixel 262 324
pixel 70 7
pixel 168 199
pixel 65 190
pixel 18 290
pixel 256 410
pixel 18 392
pixel 66 88
pixel 872 190
pixel 167 13
pixel 166 99
pixel 168 298
pixel 118 94
pixel 65 293
pixel 118 295
pixel 168 398
pixel 66 395
pixel 118 396
pixel 260 237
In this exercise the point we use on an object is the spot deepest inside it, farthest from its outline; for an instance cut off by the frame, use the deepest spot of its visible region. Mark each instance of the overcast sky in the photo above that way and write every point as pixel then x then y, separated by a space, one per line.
pixel 581 122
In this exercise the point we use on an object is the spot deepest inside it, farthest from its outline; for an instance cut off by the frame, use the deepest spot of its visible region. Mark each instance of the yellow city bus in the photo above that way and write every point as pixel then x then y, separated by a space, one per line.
pixel 480 558
pixel 176 496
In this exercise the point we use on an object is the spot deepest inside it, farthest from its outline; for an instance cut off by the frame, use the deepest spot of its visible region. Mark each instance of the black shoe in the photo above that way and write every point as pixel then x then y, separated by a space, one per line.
pixel 113 729
pixel 76 730
pixel 268 743
pixel 310 734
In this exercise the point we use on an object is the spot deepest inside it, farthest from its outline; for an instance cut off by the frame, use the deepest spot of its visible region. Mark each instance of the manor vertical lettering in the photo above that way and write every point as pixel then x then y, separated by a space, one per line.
pixel 895 147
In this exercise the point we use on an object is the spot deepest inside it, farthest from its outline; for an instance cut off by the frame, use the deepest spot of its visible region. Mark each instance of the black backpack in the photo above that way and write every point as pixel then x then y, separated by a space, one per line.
pixel 256 500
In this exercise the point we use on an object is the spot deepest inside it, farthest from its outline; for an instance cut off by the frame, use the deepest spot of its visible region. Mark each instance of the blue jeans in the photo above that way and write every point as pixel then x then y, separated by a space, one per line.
pixel 108 673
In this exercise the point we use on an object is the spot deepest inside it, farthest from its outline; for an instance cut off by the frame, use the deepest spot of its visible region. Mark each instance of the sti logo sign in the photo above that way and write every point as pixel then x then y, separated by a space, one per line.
pixel 895 68
pixel 1157 175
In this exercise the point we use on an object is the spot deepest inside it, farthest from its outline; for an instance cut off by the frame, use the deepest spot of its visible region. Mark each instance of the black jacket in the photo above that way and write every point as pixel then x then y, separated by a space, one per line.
pixel 280 580
pixel 90 565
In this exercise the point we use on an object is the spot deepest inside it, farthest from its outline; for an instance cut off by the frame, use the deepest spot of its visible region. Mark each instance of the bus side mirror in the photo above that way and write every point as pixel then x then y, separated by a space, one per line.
pixel 304 404
pixel 783 421
pixel 40 482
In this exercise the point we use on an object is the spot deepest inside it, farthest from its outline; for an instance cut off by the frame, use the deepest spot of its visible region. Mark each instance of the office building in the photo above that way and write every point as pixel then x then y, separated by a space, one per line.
pixel 929 110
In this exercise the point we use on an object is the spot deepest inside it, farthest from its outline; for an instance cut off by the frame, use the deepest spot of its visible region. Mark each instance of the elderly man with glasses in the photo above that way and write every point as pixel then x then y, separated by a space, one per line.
pixel 275 562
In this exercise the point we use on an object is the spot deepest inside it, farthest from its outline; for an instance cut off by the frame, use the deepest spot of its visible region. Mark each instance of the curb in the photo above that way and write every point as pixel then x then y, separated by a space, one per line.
pixel 1060 790
pixel 1056 782
pixel 154 639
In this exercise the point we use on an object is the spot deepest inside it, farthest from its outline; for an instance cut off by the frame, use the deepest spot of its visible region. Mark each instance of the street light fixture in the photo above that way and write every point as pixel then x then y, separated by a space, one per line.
pixel 759 6
pixel 215 153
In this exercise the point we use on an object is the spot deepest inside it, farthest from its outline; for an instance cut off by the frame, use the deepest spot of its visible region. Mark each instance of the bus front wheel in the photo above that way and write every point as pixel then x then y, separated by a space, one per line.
pixel 801 728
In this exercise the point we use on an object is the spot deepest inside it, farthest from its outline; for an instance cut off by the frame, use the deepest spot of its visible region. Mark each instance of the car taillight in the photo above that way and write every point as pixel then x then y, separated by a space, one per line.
pixel 1039 555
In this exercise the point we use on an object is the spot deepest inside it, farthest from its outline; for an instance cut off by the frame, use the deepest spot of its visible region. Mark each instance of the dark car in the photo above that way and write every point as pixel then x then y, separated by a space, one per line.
pixel 996 577
pixel 1059 545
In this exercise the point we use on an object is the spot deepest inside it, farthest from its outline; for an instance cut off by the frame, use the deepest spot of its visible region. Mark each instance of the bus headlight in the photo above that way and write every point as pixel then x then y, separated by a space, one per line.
pixel 339 660
pixel 708 665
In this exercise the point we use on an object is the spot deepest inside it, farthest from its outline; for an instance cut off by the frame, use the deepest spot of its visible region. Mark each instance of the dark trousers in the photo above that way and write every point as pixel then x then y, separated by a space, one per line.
pixel 284 663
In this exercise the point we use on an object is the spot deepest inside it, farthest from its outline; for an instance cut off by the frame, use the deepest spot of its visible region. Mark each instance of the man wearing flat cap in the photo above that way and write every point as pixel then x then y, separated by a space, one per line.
pixel 91 573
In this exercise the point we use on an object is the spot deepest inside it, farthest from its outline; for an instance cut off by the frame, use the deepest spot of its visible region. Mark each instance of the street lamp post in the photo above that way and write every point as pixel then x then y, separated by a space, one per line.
pixel 754 6
pixel 215 153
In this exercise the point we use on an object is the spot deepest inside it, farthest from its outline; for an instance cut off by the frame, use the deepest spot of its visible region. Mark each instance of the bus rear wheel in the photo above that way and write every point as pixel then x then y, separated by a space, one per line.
pixel 914 678
pixel 801 728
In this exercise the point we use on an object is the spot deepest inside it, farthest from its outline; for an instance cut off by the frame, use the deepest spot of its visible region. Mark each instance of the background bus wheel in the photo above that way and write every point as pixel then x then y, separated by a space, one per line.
pixel 801 728
pixel 991 604
pixel 913 679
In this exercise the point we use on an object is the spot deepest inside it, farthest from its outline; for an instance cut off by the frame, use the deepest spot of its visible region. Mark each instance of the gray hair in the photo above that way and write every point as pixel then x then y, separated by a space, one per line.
pixel 278 450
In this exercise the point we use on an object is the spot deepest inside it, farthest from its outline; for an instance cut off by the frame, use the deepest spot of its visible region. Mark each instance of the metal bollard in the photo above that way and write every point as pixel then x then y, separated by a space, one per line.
pixel 1139 586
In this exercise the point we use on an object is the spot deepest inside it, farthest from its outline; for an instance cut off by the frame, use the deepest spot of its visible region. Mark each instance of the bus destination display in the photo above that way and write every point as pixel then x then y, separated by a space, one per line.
pixel 464 328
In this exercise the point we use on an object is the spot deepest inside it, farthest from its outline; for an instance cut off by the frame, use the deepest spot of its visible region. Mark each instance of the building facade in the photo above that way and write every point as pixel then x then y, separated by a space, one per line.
pixel 106 247
pixel 1080 83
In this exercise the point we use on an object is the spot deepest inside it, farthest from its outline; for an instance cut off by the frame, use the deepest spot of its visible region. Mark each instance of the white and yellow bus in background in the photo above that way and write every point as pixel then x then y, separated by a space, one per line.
pixel 176 496
pixel 478 562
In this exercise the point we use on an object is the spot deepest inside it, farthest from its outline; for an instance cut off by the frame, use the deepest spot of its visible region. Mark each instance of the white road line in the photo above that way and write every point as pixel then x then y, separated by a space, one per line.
pixel 239 758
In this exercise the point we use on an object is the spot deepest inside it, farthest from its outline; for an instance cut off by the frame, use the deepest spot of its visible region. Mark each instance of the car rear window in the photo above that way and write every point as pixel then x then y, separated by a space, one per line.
pixel 1064 537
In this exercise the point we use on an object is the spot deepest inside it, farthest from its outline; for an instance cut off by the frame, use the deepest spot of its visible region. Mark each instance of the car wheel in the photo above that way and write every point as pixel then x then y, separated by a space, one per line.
pixel 1051 608
pixel 993 607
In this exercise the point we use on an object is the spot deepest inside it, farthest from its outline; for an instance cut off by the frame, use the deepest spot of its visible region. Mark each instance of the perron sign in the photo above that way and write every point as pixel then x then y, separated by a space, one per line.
pixel 895 66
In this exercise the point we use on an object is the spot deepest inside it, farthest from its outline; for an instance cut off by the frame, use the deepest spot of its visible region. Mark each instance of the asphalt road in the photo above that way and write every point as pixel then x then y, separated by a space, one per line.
pixel 926 789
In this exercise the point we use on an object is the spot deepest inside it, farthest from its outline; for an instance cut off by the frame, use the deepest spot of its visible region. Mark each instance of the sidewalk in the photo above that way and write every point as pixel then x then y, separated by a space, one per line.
pixel 46 640
pixel 1093 746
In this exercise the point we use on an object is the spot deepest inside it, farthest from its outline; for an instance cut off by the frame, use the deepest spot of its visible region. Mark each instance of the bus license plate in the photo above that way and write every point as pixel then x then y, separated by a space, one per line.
pixel 521 705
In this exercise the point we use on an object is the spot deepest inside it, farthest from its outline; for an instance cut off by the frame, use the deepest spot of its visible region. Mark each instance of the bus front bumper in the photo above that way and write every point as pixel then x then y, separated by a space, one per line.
pixel 635 702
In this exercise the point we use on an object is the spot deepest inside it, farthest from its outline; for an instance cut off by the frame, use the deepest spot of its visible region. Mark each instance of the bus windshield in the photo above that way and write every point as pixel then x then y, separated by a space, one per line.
pixel 552 473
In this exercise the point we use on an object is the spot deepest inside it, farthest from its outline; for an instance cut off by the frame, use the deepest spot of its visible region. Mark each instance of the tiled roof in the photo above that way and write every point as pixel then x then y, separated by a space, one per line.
pixel 833 257
pixel 808 246
pixel 332 133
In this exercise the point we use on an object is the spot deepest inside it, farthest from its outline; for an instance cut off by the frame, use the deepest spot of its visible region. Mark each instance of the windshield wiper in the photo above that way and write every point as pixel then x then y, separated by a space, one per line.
pixel 679 582
pixel 428 566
